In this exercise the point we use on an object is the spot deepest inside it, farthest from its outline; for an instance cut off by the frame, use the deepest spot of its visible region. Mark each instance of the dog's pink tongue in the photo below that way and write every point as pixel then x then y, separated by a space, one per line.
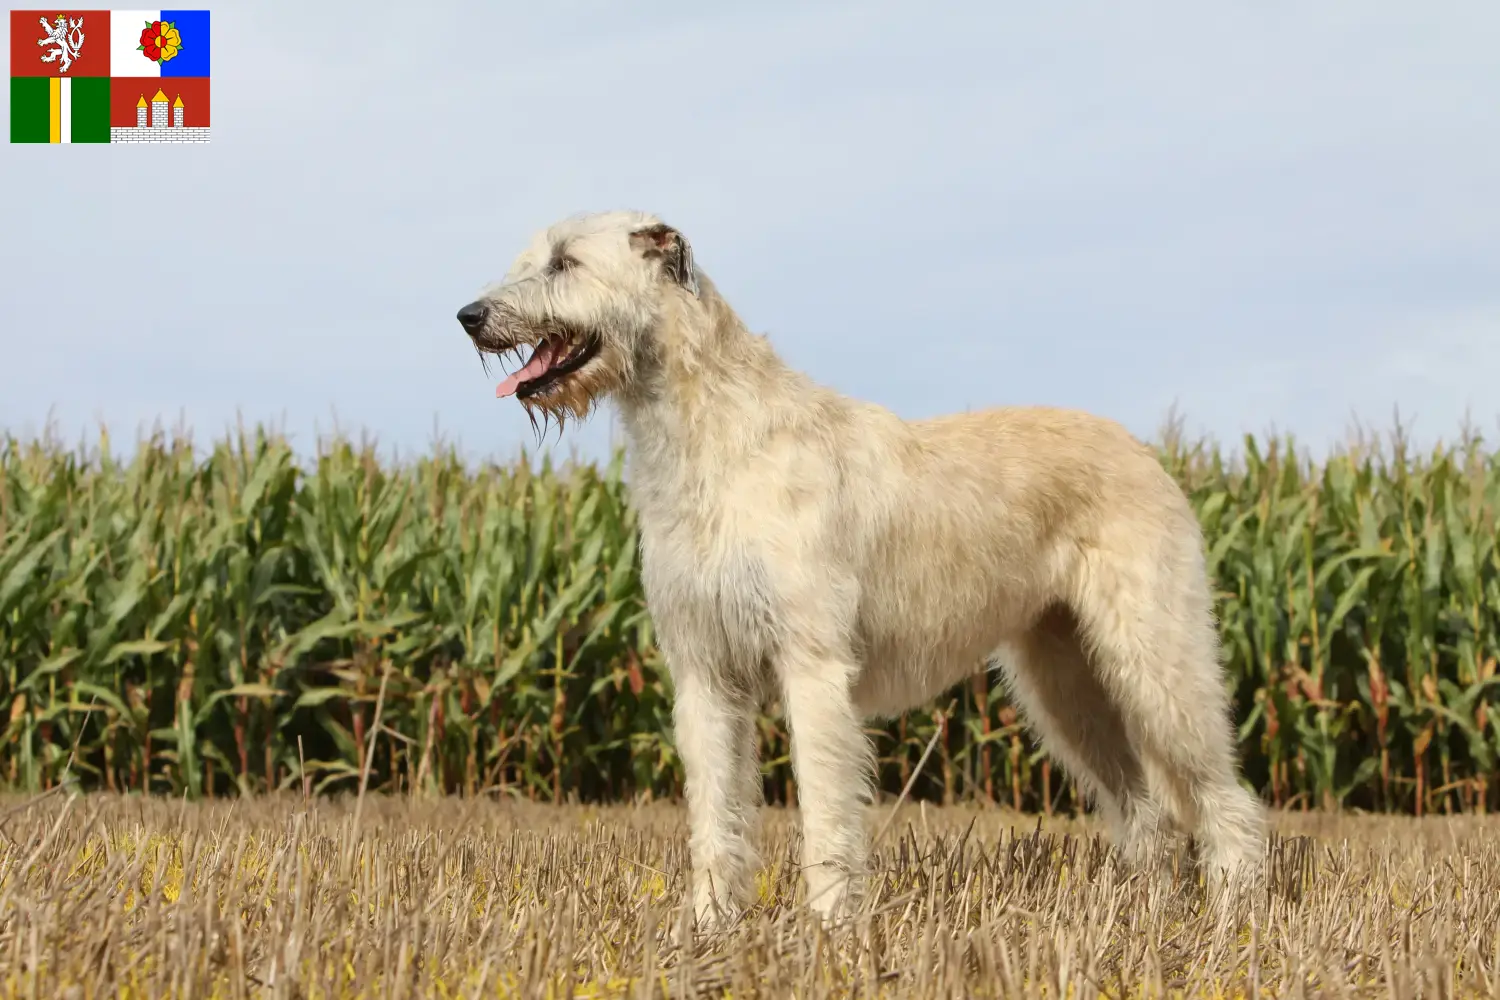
pixel 539 363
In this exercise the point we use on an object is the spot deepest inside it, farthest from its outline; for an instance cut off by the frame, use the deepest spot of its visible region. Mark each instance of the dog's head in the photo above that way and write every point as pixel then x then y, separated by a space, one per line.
pixel 581 308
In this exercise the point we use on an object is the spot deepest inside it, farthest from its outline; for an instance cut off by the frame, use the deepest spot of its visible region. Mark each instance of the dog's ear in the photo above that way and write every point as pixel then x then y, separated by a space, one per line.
pixel 662 242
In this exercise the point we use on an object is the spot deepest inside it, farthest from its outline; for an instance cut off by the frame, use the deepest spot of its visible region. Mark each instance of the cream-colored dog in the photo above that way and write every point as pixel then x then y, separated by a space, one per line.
pixel 797 541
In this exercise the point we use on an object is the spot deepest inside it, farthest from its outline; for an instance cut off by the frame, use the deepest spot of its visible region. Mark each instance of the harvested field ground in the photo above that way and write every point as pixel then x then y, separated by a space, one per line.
pixel 108 896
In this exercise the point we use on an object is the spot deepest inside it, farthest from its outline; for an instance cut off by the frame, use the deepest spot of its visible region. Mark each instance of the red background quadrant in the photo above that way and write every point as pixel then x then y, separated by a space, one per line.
pixel 125 92
pixel 26 54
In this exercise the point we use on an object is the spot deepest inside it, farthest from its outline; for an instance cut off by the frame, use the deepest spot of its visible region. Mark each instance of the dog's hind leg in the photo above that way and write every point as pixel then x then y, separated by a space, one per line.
pixel 1080 727
pixel 1147 626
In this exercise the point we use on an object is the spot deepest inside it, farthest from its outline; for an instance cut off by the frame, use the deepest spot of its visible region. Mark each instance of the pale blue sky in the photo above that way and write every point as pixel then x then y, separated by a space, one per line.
pixel 1276 214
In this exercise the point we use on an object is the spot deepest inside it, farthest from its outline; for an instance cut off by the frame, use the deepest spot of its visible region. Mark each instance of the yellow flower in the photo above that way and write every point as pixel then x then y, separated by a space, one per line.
pixel 169 40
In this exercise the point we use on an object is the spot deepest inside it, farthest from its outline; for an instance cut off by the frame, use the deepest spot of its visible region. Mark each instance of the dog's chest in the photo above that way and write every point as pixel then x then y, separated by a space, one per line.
pixel 705 578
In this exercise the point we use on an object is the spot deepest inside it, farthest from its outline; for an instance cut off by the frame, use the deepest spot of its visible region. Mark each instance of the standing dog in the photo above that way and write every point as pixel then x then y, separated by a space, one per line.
pixel 797 541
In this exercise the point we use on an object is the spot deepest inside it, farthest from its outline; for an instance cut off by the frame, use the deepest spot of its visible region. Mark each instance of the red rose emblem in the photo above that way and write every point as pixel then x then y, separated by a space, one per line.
pixel 160 41
pixel 150 41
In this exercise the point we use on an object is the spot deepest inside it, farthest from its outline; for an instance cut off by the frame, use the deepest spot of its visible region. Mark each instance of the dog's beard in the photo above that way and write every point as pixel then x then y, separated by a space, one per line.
pixel 573 393
pixel 558 402
pixel 553 361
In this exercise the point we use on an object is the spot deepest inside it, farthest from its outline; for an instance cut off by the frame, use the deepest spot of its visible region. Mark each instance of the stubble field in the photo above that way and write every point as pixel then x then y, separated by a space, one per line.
pixel 106 895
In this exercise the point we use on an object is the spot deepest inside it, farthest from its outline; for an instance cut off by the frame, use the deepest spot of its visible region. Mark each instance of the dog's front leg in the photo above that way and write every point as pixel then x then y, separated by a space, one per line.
pixel 715 737
pixel 832 760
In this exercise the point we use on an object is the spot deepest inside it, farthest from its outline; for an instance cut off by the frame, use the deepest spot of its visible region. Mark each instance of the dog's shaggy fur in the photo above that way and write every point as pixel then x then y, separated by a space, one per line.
pixel 799 542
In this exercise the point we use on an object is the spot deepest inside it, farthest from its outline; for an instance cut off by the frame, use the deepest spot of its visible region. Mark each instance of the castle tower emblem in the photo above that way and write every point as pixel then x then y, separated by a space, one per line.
pixel 156 120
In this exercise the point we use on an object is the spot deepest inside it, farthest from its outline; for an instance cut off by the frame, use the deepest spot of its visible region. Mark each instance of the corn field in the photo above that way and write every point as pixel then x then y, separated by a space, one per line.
pixel 210 624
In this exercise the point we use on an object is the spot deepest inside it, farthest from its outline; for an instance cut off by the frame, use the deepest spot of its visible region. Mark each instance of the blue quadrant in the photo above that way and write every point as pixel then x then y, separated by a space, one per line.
pixel 192 25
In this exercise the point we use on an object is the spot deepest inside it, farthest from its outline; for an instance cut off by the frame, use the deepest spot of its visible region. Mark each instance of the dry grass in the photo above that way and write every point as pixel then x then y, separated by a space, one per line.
pixel 113 896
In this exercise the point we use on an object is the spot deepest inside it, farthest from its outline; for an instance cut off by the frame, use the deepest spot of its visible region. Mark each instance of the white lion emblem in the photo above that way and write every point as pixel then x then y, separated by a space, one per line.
pixel 67 42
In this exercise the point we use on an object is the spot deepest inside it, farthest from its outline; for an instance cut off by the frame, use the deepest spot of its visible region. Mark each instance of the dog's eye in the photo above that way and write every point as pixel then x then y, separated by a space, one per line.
pixel 560 263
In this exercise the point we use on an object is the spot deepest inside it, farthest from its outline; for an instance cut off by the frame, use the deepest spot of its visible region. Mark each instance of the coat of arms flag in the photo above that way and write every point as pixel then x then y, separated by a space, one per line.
pixel 109 75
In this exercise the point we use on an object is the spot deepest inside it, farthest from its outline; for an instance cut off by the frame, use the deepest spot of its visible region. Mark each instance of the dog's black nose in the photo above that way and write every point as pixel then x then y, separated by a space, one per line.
pixel 472 316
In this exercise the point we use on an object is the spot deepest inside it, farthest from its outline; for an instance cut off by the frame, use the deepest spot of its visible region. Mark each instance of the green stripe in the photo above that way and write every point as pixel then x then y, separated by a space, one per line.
pixel 91 109
pixel 29 109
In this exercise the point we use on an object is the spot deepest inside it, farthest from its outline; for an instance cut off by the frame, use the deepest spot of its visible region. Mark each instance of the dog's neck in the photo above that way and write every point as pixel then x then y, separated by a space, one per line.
pixel 707 382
